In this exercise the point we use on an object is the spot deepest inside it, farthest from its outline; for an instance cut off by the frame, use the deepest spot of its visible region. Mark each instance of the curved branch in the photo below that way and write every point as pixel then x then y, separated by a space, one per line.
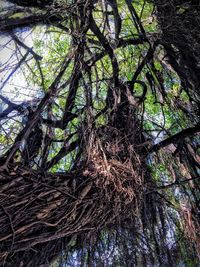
pixel 176 138
pixel 10 24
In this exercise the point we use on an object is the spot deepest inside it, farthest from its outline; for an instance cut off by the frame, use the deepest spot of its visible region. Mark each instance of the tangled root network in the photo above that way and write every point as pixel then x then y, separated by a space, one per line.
pixel 117 170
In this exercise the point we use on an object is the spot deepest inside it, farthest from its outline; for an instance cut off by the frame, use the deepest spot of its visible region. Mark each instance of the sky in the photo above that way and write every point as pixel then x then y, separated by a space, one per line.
pixel 16 89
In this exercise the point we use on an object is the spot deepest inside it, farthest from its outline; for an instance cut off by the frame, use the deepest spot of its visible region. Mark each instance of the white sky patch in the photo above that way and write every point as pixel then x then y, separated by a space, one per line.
pixel 16 88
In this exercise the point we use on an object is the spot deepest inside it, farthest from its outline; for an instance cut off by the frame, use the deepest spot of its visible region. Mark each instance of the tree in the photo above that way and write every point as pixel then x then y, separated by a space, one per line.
pixel 101 168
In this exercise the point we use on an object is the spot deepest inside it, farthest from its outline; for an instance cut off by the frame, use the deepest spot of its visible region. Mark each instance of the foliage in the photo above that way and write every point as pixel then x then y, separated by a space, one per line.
pixel 100 161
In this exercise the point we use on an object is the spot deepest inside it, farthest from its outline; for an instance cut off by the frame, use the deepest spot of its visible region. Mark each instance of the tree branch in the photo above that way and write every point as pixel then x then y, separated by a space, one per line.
pixel 176 138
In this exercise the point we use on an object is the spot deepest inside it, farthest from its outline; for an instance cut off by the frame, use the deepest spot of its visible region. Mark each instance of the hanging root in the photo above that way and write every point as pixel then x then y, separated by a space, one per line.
pixel 191 226
pixel 116 168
